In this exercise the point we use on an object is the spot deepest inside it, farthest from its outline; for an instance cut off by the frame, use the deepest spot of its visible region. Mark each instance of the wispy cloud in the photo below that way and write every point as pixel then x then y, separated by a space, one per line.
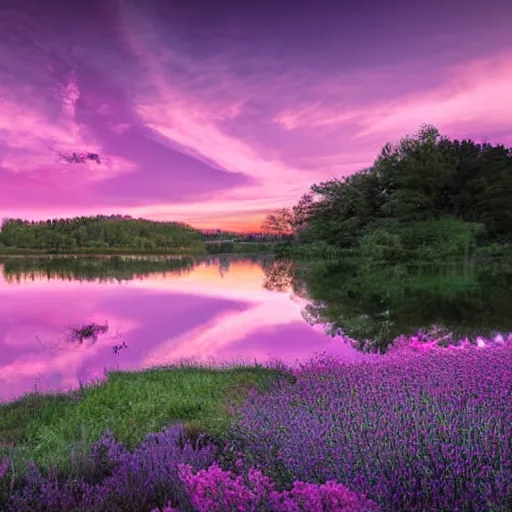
pixel 473 97
pixel 256 129
pixel 70 94
pixel 206 126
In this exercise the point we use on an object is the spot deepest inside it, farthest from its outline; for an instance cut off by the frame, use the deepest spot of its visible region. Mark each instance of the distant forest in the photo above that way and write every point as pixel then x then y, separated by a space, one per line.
pixel 99 232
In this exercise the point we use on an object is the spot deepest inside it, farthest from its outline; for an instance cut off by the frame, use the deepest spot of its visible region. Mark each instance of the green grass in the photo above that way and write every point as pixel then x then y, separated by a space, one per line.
pixel 199 249
pixel 195 250
pixel 45 428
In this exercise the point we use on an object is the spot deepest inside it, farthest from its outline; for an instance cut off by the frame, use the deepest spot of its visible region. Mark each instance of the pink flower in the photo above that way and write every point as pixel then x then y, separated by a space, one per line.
pixel 216 490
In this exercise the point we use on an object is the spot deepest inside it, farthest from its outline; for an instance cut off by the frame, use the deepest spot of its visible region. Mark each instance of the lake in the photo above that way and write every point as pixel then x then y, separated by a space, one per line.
pixel 158 311
pixel 64 321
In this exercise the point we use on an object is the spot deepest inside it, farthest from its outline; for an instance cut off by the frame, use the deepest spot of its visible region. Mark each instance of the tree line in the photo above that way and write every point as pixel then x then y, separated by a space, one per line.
pixel 427 195
pixel 99 232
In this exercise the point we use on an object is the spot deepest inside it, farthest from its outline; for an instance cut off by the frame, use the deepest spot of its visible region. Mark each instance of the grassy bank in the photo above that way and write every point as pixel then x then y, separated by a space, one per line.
pixel 197 250
pixel 45 427
pixel 111 251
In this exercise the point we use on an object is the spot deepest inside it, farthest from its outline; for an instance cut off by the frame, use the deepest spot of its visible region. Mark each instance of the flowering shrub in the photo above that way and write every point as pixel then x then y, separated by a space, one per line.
pixel 419 430
pixel 3 467
pixel 116 479
pixel 167 508
pixel 215 490
pixel 4 480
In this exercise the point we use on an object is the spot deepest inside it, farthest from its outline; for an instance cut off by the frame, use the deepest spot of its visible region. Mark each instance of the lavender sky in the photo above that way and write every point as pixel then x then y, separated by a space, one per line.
pixel 216 112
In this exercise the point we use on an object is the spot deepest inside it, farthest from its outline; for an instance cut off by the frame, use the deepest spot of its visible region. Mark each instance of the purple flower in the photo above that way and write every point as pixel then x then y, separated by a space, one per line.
pixel 215 490
pixel 413 430
pixel 116 479
pixel 4 465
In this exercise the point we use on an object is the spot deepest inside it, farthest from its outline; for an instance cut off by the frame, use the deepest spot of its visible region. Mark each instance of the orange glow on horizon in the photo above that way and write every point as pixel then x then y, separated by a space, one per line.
pixel 242 224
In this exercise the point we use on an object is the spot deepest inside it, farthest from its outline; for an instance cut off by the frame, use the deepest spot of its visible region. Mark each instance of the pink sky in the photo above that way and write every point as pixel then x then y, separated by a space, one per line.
pixel 215 115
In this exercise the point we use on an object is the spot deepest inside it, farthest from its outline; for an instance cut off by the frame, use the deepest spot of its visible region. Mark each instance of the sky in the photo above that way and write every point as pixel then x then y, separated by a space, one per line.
pixel 215 113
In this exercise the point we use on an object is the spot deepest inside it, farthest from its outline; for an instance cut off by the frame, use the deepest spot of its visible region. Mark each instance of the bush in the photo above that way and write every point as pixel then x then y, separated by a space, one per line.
pixel 114 479
pixel 215 490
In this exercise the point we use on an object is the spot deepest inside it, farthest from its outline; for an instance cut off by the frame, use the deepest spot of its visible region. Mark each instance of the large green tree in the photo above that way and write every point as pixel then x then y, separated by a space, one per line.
pixel 427 178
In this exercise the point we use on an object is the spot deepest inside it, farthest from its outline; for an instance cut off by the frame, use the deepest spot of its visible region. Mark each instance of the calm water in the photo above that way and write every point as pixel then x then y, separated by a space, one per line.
pixel 163 311
pixel 448 299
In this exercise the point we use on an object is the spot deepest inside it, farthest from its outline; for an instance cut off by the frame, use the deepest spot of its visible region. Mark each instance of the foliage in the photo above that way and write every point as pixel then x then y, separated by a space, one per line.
pixel 287 223
pixel 414 431
pixel 238 248
pixel 197 249
pixel 420 191
pixel 308 251
pixel 219 235
pixel 114 479
pixel 110 478
pixel 422 428
pixel 215 490
pixel 279 222
pixel 100 232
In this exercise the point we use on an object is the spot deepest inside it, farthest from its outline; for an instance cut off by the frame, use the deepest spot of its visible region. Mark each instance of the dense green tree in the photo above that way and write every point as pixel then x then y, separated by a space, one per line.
pixel 100 232
pixel 420 186
pixel 419 237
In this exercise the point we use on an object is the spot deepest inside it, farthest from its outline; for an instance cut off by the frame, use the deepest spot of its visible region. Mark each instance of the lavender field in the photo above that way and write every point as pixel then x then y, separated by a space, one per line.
pixel 427 430
pixel 421 428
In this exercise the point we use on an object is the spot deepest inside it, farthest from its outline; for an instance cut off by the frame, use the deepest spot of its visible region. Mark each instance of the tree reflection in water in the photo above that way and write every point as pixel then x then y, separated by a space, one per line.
pixel 373 304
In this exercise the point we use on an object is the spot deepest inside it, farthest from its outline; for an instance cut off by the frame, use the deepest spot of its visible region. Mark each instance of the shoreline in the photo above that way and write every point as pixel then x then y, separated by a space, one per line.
pixel 159 254
pixel 244 248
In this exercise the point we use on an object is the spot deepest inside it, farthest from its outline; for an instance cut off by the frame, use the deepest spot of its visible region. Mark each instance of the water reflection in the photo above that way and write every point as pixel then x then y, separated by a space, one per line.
pixel 103 269
pixel 162 310
pixel 374 304
pixel 159 310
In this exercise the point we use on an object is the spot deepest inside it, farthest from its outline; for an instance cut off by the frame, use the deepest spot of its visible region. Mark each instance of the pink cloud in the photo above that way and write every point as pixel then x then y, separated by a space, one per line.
pixel 472 98
pixel 70 94
pixel 33 139
pixel 199 125
pixel 333 125
pixel 261 127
